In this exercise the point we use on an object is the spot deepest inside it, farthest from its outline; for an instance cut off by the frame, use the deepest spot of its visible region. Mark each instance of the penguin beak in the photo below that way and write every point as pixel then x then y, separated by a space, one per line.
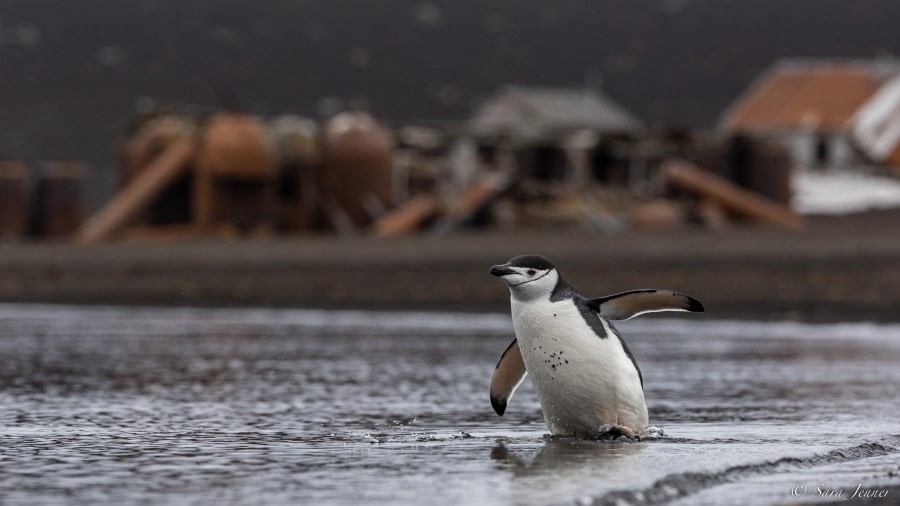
pixel 501 270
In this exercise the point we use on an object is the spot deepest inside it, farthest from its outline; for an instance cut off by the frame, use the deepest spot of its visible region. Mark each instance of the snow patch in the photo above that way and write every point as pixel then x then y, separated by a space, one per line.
pixel 843 192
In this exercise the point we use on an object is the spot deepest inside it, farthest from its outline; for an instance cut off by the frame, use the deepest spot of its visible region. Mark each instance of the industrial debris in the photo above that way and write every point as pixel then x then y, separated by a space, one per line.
pixel 190 172
pixel 529 158
pixel 718 191
pixel 229 175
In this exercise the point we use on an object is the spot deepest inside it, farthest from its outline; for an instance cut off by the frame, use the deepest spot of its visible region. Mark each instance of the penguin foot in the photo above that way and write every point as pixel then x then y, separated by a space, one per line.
pixel 613 432
pixel 628 431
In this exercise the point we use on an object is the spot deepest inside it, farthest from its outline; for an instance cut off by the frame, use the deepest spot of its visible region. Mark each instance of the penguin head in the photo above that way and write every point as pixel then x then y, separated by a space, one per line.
pixel 528 276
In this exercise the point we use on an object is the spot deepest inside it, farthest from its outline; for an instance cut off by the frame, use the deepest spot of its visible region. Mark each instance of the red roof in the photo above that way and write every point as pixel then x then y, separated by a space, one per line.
pixel 819 95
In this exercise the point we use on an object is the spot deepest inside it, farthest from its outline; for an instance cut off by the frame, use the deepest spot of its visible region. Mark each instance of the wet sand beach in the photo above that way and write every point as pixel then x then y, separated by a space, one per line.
pixel 839 268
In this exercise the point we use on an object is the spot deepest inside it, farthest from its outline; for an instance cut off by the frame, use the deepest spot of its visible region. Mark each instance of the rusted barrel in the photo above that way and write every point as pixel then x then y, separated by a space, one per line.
pixel 59 199
pixel 13 198
pixel 357 165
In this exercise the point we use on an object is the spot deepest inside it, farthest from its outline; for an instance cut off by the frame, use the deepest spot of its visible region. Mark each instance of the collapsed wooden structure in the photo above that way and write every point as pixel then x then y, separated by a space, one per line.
pixel 718 191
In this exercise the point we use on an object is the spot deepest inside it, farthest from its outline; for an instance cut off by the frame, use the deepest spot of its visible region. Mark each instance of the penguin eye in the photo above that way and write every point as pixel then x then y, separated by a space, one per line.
pixel 531 272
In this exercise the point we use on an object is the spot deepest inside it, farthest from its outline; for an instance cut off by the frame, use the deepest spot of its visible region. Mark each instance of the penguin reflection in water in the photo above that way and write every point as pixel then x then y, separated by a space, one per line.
pixel 586 379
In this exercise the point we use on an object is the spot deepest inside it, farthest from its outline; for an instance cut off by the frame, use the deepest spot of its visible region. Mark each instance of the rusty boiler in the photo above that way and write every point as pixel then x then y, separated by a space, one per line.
pixel 299 153
pixel 237 167
pixel 152 137
pixel 357 167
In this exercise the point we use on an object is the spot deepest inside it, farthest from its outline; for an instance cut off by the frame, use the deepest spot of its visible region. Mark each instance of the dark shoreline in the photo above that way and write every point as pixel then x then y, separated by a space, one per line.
pixel 839 269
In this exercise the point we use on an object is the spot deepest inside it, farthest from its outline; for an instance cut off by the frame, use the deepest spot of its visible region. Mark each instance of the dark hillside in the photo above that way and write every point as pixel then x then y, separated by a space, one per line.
pixel 70 72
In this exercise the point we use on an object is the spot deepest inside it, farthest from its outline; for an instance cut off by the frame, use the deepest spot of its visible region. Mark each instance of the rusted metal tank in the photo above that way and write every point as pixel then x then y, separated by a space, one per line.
pixel 59 204
pixel 299 154
pixel 148 140
pixel 237 145
pixel 297 139
pixel 237 167
pixel 357 166
pixel 13 198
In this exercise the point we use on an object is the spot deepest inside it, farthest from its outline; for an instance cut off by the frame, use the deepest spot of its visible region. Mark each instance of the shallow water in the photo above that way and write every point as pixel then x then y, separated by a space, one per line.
pixel 203 406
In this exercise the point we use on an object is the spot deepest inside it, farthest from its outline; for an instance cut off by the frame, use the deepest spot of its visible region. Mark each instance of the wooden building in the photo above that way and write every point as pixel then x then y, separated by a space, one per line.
pixel 829 113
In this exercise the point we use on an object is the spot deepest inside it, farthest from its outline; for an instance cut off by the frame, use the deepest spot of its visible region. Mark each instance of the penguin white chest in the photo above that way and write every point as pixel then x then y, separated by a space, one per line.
pixel 583 380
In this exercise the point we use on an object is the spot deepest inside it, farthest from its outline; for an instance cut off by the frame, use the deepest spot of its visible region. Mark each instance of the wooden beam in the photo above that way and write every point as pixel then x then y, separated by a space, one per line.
pixel 730 196
pixel 475 197
pixel 470 201
pixel 408 218
pixel 140 192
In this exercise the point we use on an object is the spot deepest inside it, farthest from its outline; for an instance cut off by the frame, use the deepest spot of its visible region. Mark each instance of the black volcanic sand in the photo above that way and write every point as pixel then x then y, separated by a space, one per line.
pixel 838 269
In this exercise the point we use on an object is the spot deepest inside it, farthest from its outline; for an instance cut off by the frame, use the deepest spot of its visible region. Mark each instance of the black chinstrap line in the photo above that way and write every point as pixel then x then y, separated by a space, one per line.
pixel 531 280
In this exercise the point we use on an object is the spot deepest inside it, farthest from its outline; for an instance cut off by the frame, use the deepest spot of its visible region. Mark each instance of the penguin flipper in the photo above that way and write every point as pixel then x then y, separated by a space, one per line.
pixel 508 375
pixel 625 305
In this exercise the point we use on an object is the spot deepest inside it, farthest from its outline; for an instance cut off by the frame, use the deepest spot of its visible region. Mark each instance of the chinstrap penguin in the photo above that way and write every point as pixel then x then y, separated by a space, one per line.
pixel 585 377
